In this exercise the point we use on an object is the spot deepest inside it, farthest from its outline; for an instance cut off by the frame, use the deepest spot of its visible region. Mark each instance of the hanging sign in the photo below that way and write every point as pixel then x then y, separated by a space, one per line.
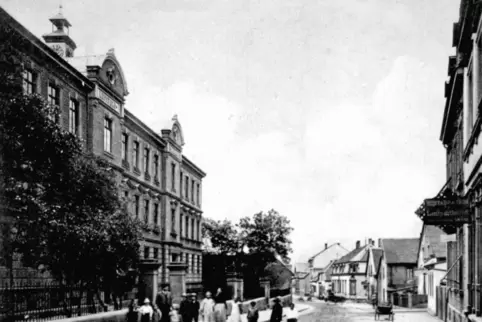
pixel 446 211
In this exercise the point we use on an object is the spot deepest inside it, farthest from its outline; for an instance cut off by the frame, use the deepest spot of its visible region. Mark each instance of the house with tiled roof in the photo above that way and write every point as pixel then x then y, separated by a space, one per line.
pixel 320 261
pixel 348 275
pixel 397 267
pixel 432 262
pixel 373 262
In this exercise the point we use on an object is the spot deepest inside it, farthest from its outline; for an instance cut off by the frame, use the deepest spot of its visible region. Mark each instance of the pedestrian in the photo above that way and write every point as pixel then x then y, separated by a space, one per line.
pixel 174 314
pixel 146 311
pixel 292 314
pixel 157 316
pixel 164 303
pixel 220 308
pixel 253 313
pixel 184 309
pixel 207 308
pixel 194 308
pixel 277 311
pixel 132 314
pixel 236 309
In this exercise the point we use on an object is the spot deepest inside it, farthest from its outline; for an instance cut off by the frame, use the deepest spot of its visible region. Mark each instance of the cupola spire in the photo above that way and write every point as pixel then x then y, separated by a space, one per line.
pixel 59 39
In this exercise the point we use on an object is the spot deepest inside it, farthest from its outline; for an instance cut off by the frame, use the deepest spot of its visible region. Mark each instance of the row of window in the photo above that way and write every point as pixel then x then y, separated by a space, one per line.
pixel 188 188
pixel 340 286
pixel 146 208
pixel 30 80
pixel 193 261
pixel 189 227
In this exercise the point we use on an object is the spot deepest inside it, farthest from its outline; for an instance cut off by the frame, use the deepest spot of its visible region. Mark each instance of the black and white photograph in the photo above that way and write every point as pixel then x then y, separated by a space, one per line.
pixel 240 160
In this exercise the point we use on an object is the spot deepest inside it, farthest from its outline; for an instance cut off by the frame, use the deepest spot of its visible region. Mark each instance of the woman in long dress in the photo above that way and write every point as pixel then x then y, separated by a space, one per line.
pixel 235 315
pixel 207 308
pixel 221 308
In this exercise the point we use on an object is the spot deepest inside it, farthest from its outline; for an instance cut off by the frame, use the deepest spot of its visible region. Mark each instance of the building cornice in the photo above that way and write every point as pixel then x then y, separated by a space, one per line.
pixel 147 130
pixel 192 166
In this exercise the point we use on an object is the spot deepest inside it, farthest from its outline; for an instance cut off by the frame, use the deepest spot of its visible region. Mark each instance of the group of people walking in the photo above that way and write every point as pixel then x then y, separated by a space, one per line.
pixel 211 309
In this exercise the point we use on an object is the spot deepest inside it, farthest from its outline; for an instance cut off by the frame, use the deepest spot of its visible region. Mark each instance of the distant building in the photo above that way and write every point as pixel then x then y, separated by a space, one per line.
pixel 319 262
pixel 323 281
pixel 348 274
pixel 432 263
pixel 398 264
pixel 302 278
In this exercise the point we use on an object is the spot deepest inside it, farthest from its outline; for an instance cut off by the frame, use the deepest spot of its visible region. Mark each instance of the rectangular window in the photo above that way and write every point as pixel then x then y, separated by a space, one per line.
pixel 137 206
pixel 181 224
pixel 409 273
pixel 192 228
pixel 198 232
pixel 146 211
pixel 108 135
pixel 156 253
pixel 146 252
pixel 186 188
pixel 156 166
pixel 53 95
pixel 173 220
pixel 470 102
pixel 125 140
pixel 180 182
pixel 29 82
pixel 192 191
pixel 135 154
pixel 197 195
pixel 73 116
pixel 156 214
pixel 146 160
pixel 187 227
pixel 173 176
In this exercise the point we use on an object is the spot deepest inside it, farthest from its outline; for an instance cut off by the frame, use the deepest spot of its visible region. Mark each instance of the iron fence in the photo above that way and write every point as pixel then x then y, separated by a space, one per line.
pixel 45 301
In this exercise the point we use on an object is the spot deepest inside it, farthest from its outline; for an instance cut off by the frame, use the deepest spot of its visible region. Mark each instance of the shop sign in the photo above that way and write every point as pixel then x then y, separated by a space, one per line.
pixel 446 211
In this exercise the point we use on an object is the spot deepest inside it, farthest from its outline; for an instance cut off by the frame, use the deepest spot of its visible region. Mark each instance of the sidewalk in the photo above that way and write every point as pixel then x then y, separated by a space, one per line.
pixel 266 314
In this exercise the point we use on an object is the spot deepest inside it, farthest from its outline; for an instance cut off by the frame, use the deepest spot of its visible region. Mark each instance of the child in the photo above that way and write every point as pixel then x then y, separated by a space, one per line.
pixel 292 314
pixel 253 313
pixel 174 314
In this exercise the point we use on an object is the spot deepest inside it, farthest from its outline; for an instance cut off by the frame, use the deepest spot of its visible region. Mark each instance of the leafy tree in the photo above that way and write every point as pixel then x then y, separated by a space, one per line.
pixel 65 204
pixel 223 235
pixel 264 233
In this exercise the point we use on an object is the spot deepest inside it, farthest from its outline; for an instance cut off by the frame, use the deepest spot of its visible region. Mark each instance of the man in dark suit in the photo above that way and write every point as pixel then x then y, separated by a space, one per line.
pixel 185 308
pixel 277 311
pixel 164 302
pixel 194 307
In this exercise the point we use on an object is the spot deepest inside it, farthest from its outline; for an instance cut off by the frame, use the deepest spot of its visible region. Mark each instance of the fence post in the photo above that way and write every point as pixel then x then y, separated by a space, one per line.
pixel 409 299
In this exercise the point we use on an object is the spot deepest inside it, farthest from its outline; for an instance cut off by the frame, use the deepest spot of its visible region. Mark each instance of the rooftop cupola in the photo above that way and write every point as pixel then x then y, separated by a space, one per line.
pixel 59 39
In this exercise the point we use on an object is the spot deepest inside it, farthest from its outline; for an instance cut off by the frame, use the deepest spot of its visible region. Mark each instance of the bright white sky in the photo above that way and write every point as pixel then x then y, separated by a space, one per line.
pixel 328 111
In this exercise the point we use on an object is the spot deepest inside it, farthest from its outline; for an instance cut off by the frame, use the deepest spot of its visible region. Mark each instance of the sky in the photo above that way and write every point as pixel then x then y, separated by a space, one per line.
pixel 327 111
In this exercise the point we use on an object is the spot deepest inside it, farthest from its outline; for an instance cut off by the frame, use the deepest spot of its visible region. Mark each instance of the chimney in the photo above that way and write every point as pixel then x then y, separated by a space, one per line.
pixel 357 244
pixel 326 246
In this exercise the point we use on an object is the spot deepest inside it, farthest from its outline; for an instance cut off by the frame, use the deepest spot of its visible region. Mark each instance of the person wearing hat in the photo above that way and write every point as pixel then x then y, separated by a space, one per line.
pixel 146 311
pixel 164 302
pixel 184 308
pixel 277 311
pixel 194 308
